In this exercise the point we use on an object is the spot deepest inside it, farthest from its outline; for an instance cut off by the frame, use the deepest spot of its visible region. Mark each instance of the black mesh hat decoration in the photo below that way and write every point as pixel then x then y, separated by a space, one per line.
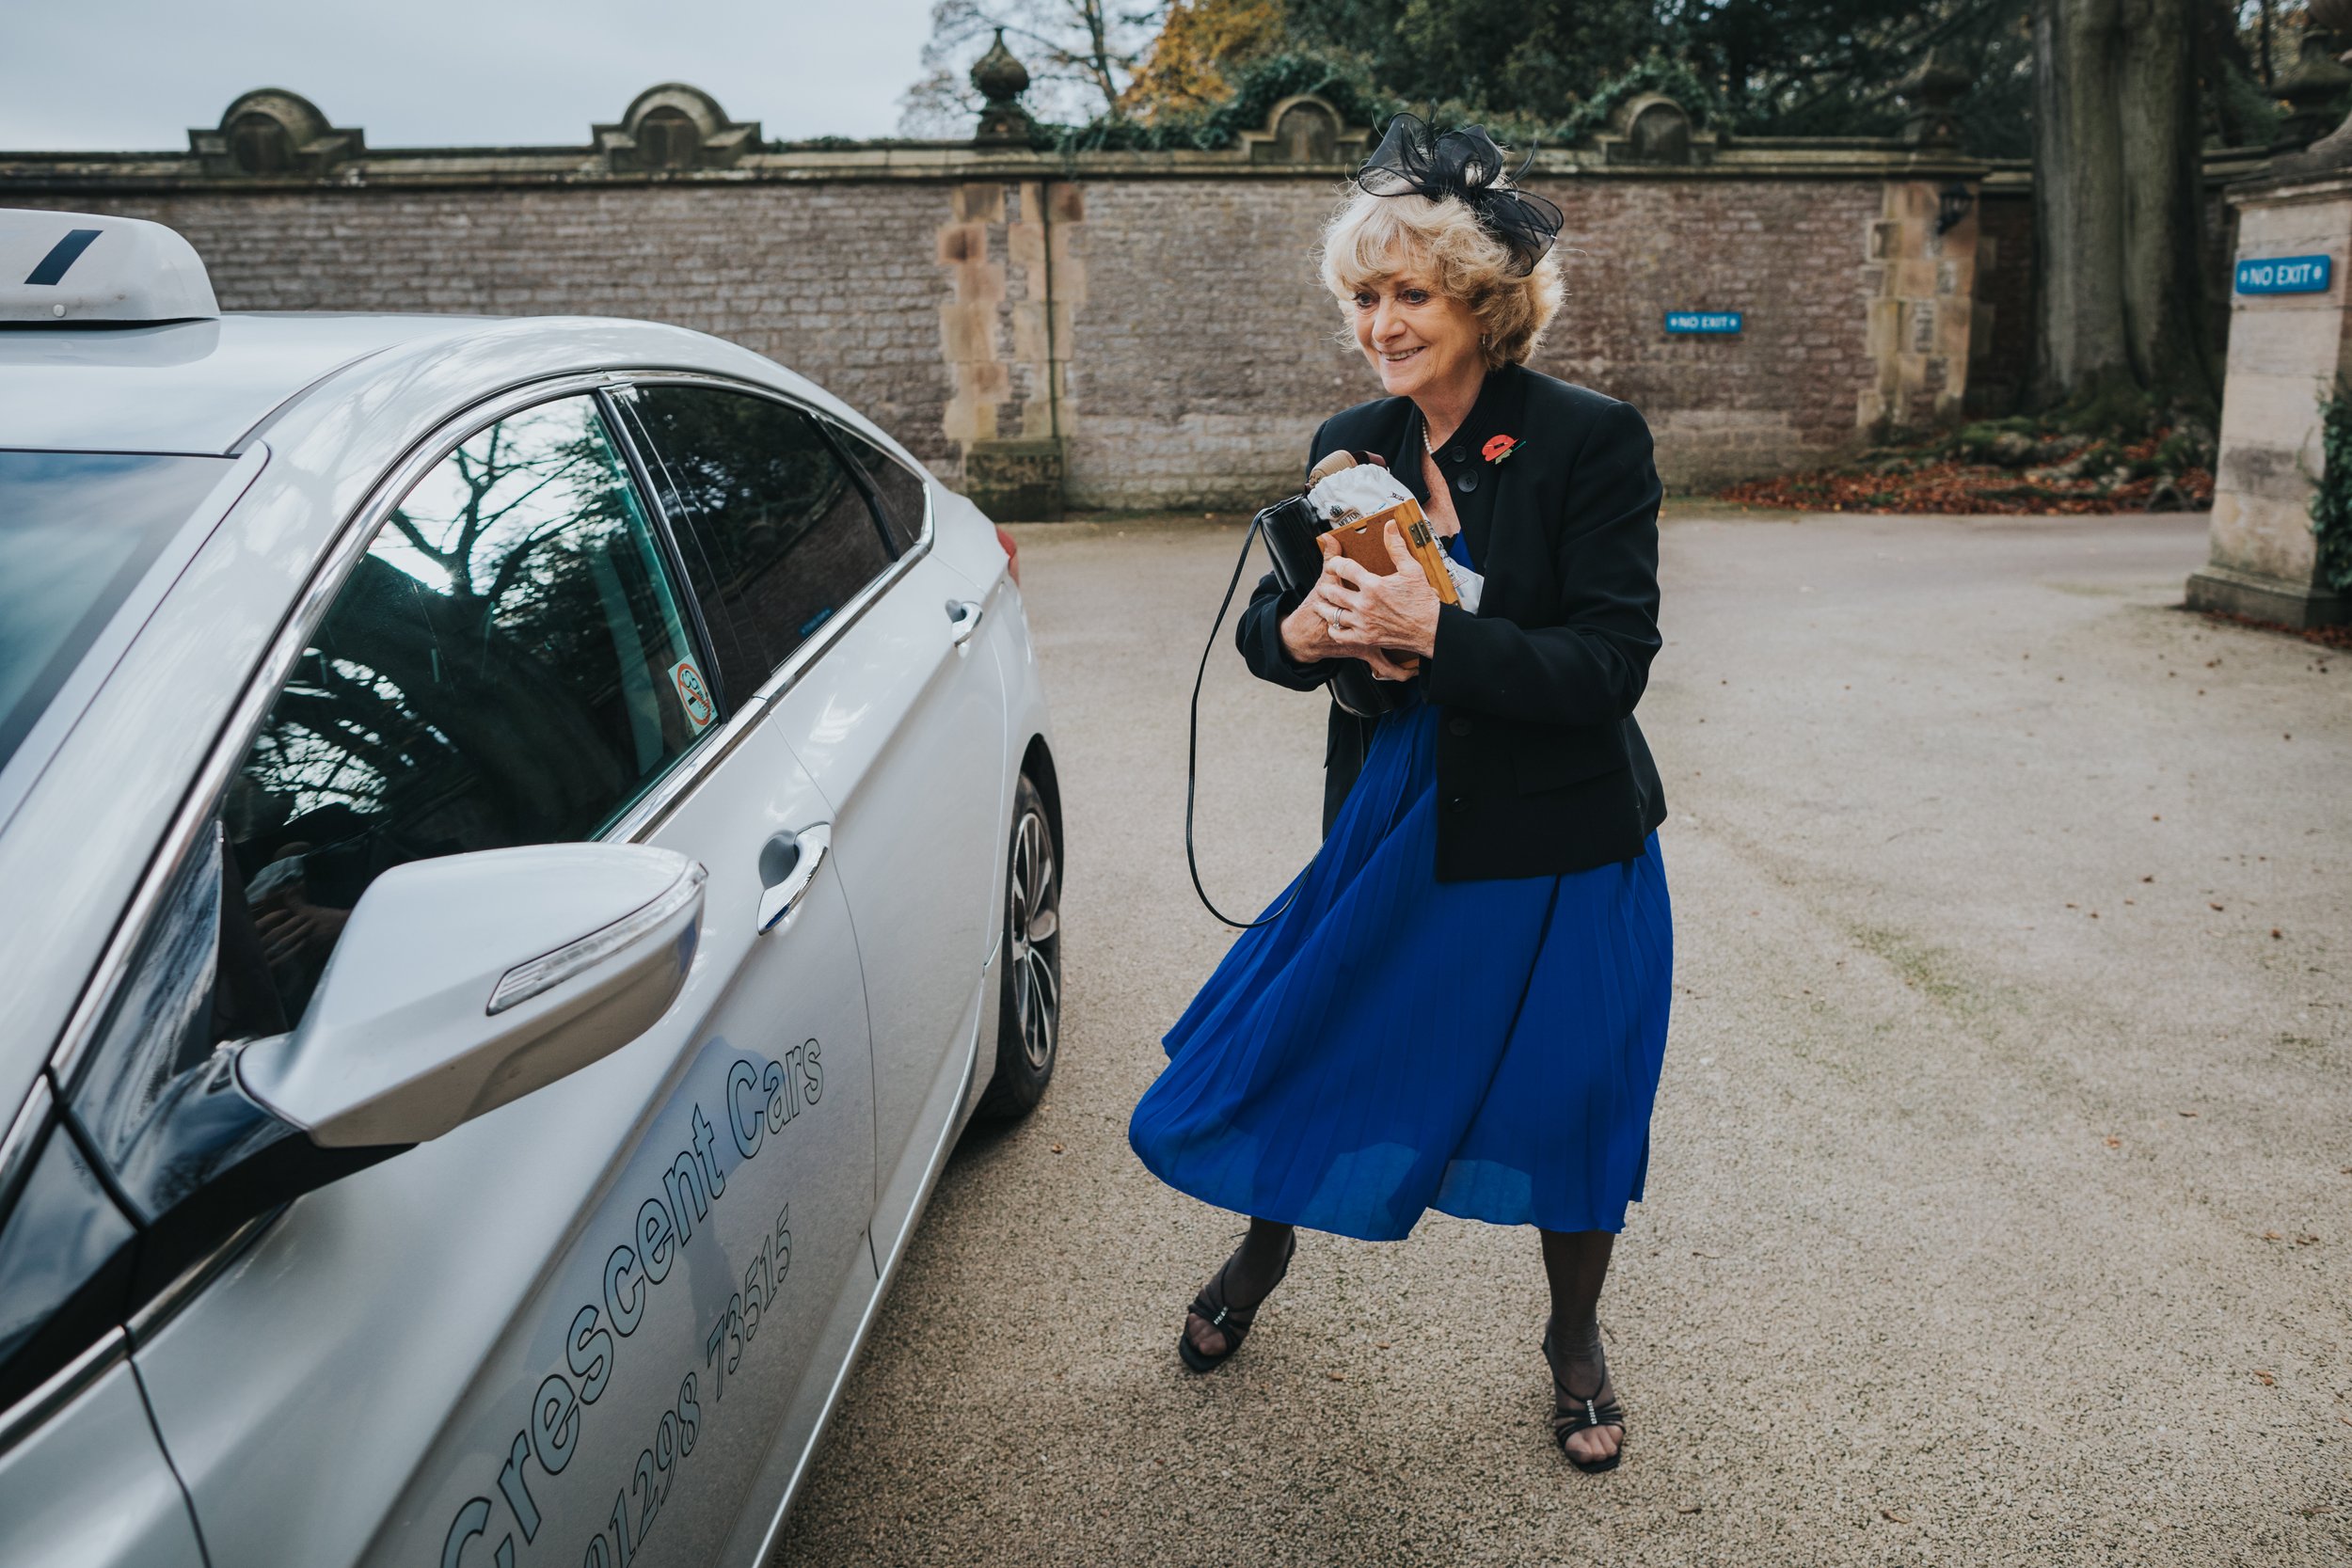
pixel 1466 166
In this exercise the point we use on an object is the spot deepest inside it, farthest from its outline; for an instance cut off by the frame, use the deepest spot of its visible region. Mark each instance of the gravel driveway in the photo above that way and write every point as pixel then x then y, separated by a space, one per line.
pixel 2001 1205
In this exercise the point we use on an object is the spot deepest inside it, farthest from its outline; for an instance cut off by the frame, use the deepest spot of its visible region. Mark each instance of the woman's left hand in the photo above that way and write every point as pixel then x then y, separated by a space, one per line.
pixel 1398 610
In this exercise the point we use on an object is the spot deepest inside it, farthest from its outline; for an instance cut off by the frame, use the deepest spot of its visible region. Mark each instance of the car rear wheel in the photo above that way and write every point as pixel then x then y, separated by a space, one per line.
pixel 1028 1008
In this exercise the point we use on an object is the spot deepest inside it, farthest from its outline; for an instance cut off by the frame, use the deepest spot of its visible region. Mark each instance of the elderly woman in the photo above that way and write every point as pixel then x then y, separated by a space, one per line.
pixel 1463 1006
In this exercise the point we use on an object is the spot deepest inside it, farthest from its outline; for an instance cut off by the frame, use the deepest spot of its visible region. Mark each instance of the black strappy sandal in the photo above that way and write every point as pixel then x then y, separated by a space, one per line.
pixel 1572 1413
pixel 1231 1320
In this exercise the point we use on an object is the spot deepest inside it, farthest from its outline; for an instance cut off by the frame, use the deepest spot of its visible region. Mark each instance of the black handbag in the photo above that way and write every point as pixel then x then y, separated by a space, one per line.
pixel 1290 527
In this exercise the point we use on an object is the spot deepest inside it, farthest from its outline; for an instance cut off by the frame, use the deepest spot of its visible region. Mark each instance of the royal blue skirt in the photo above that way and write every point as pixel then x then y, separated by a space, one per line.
pixel 1394 1043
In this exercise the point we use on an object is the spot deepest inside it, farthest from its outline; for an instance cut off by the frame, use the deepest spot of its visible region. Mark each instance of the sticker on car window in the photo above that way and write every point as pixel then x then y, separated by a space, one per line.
pixel 693 694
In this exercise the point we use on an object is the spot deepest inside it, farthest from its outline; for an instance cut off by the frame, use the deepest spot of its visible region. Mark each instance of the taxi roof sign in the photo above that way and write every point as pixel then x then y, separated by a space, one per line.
pixel 78 269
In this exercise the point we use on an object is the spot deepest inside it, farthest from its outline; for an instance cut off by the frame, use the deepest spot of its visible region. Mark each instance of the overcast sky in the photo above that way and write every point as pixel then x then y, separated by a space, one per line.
pixel 136 74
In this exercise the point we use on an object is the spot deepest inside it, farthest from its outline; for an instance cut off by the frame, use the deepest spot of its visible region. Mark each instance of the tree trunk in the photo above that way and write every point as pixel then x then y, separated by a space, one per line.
pixel 2118 213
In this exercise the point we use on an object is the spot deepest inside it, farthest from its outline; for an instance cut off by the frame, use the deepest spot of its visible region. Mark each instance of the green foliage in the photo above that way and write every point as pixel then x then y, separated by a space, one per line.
pixel 2331 498
pixel 1808 67
pixel 1257 87
pixel 1549 71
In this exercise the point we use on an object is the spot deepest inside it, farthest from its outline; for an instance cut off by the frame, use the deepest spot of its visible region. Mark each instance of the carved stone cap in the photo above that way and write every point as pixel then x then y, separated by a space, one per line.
pixel 1652 128
pixel 270 131
pixel 674 127
pixel 1307 129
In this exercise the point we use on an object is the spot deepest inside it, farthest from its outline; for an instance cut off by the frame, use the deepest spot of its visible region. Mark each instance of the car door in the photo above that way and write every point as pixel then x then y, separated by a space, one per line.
pixel 900 725
pixel 569 1330
pixel 83 1482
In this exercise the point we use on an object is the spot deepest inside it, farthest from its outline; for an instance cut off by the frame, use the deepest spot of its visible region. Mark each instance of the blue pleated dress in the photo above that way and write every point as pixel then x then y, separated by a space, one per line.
pixel 1394 1044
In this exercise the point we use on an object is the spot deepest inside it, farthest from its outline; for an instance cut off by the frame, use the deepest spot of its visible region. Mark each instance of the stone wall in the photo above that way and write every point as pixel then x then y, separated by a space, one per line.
pixel 1118 330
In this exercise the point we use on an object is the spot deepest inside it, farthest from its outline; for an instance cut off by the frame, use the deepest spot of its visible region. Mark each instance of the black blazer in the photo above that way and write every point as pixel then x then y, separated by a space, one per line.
pixel 1541 768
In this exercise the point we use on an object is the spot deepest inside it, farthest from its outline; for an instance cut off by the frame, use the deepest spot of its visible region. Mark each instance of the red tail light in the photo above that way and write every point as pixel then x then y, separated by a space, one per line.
pixel 1012 555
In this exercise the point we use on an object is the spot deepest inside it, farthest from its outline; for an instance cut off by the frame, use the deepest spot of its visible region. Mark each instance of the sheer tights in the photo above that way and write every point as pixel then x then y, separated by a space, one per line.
pixel 1576 1263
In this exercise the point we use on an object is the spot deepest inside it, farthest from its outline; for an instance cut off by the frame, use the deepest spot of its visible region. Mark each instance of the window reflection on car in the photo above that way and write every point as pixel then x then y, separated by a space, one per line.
pixel 506 666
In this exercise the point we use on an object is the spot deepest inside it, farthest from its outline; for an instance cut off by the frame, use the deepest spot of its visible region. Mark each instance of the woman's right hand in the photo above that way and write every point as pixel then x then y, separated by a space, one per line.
pixel 1307 630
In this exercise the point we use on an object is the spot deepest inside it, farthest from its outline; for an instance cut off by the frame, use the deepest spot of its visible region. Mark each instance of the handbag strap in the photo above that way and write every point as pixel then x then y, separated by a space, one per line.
pixel 1192 754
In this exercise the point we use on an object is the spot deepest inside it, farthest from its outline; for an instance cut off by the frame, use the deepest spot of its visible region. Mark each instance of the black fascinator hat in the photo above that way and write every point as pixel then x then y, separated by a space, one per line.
pixel 1466 166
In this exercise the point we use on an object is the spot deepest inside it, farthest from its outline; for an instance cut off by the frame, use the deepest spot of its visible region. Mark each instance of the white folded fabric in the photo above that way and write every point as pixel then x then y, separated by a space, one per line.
pixel 1466 583
pixel 1357 492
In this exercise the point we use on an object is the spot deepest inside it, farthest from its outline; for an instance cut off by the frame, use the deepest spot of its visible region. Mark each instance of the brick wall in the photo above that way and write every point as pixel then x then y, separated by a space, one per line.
pixel 1137 329
pixel 839 280
pixel 1206 351
pixel 1790 254
pixel 1125 329
pixel 1201 366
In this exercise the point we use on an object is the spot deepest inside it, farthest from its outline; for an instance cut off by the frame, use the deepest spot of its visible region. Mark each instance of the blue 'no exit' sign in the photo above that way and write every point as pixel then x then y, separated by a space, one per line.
pixel 2284 274
pixel 1703 321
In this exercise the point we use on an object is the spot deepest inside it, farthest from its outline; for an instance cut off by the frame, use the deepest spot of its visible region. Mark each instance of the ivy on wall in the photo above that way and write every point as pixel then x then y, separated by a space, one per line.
pixel 2331 498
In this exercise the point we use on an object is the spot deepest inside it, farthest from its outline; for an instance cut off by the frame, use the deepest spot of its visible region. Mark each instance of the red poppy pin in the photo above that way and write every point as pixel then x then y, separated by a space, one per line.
pixel 1499 447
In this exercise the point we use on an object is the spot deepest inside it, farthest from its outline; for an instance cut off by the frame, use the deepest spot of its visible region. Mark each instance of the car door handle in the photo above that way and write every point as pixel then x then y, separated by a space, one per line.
pixel 965 616
pixel 788 867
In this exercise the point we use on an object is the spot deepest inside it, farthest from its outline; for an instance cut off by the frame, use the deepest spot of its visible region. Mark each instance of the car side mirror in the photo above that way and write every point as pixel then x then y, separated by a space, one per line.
pixel 463 982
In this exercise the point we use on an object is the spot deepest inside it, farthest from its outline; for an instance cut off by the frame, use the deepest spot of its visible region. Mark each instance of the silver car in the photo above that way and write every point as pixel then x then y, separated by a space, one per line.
pixel 523 843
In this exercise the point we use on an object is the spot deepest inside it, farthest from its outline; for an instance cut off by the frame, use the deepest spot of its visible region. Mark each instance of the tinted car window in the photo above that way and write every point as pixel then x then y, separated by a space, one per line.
pixel 898 488
pixel 776 534
pixel 77 531
pixel 508 665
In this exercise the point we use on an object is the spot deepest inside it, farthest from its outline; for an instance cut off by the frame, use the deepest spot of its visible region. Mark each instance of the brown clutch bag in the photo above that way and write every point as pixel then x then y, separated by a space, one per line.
pixel 1365 541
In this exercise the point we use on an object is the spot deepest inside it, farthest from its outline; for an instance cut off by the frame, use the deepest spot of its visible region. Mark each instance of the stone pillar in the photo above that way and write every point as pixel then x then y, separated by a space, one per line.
pixel 1017 278
pixel 1922 279
pixel 2285 351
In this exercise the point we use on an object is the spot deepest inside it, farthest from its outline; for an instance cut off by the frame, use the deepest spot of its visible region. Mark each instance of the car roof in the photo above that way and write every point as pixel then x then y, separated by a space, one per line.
pixel 196 387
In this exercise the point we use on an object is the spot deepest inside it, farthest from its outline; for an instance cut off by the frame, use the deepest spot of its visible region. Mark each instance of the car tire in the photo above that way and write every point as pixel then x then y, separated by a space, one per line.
pixel 1028 1006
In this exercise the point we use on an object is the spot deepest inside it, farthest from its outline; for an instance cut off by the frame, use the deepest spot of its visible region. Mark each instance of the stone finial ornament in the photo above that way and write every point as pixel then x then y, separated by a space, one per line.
pixel 1002 79
pixel 672 128
pixel 2314 90
pixel 1933 94
pixel 270 132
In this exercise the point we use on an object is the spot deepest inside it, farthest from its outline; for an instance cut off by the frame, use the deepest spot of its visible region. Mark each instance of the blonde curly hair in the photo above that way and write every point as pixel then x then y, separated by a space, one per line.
pixel 1373 237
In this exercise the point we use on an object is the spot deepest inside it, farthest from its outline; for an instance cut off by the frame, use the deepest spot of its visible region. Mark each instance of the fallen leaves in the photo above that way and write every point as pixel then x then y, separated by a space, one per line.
pixel 1955 486
pixel 2265 1380
pixel 2115 1143
pixel 2327 637
pixel 1894 1518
